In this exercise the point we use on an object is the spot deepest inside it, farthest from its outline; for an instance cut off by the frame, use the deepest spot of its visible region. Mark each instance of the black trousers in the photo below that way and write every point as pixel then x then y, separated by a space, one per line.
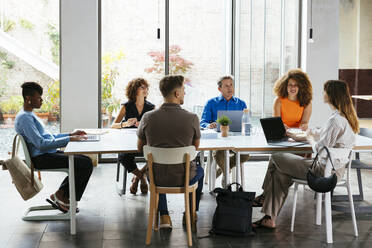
pixel 127 160
pixel 83 169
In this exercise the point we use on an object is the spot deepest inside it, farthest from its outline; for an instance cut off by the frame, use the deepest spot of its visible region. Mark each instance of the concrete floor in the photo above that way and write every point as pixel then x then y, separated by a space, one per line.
pixel 108 220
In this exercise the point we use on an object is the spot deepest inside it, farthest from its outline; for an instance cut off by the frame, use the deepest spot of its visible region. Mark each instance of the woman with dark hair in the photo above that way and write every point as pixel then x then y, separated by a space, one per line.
pixel 293 102
pixel 130 116
pixel 338 132
pixel 43 146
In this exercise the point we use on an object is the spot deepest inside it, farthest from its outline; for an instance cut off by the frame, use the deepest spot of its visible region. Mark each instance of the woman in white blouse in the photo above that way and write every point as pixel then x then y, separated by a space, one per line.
pixel 338 132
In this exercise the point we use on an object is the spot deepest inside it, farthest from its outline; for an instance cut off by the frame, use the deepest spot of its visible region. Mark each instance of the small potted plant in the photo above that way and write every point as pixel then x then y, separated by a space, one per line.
pixel 224 122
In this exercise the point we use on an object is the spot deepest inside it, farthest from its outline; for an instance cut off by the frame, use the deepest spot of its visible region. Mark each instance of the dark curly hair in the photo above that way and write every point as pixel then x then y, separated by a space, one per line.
pixel 132 87
pixel 305 90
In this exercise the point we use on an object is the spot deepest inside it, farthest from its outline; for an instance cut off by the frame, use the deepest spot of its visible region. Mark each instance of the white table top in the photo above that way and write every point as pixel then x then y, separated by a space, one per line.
pixel 125 140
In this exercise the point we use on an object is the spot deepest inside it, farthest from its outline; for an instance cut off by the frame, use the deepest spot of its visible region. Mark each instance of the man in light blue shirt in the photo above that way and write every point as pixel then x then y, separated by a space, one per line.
pixel 226 101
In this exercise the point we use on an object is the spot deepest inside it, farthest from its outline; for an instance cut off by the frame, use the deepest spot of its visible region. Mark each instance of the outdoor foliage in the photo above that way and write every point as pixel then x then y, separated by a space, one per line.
pixel 5 62
pixel 224 120
pixel 110 62
pixel 3 85
pixel 26 24
pixel 8 25
pixel 51 100
pixel 53 34
pixel 177 64
pixel 12 105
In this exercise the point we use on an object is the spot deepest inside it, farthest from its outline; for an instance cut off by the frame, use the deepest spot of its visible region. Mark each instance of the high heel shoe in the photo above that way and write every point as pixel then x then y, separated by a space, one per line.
pixel 134 187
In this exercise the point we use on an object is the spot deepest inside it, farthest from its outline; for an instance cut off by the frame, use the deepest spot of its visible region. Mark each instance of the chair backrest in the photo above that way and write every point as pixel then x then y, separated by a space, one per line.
pixel 169 155
pixel 25 150
pixel 367 132
pixel 345 161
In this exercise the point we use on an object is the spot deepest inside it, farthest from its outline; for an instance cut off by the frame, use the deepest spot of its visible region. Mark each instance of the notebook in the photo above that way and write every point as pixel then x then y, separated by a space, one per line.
pixel 235 117
pixel 275 132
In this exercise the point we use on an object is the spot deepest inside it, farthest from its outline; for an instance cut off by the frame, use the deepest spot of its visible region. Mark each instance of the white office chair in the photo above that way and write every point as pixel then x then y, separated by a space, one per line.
pixel 327 203
pixel 26 217
pixel 171 156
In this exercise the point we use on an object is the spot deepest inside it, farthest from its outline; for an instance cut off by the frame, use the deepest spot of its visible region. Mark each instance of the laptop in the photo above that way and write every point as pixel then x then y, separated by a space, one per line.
pixel 275 133
pixel 235 117
pixel 92 137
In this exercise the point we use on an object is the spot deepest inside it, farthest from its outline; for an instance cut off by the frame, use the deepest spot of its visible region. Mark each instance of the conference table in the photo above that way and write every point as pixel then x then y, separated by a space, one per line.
pixel 125 141
pixel 363 97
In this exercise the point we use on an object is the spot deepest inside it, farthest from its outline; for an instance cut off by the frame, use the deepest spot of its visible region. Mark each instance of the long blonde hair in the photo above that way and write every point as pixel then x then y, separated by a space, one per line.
pixel 339 96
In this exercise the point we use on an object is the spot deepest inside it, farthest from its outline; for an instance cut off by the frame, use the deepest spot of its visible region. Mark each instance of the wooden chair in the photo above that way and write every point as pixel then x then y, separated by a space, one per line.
pixel 170 156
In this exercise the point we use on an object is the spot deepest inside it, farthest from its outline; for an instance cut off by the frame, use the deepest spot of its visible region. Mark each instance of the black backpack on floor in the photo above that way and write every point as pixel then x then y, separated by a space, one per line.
pixel 233 215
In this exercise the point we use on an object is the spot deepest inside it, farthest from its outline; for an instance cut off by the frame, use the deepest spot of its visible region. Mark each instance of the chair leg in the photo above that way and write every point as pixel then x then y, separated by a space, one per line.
pixel 294 206
pixel 193 211
pixel 151 218
pixel 187 216
pixel 352 211
pixel 209 172
pixel 156 212
pixel 318 219
pixel 242 176
pixel 125 175
pixel 117 171
pixel 238 178
pixel 328 215
pixel 212 176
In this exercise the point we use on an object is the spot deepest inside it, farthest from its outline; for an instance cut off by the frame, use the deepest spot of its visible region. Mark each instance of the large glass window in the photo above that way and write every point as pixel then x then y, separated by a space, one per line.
pixel 29 51
pixel 131 48
pixel 197 37
pixel 268 48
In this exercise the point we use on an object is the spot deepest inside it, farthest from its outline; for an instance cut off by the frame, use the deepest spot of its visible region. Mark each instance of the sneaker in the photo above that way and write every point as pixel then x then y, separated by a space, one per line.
pixel 184 218
pixel 165 222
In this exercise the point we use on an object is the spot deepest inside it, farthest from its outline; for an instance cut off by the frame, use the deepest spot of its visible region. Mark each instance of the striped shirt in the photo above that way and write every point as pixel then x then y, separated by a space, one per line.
pixel 337 133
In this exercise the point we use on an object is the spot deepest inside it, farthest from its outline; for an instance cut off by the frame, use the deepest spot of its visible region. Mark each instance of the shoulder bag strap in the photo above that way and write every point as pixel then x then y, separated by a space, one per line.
pixel 329 156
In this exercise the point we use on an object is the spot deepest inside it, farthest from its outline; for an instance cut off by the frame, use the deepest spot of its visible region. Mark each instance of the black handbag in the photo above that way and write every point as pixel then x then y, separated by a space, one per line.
pixel 233 215
pixel 321 184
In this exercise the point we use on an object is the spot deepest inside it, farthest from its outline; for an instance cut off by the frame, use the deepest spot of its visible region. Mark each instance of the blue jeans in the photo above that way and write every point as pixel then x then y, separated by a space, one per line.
pixel 199 177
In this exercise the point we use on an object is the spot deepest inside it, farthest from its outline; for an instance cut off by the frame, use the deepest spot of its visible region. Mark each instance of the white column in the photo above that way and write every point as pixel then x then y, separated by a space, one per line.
pixel 322 55
pixel 79 64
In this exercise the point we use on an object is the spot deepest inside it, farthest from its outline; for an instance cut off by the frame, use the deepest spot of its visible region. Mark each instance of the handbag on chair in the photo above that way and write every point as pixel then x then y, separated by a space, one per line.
pixel 321 184
pixel 27 184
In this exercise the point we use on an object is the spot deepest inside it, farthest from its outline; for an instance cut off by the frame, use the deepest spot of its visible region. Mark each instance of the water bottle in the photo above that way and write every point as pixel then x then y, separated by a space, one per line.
pixel 246 123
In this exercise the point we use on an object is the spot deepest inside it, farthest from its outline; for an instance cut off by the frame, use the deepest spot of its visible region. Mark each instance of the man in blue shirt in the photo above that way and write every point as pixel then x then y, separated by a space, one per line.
pixel 43 145
pixel 226 101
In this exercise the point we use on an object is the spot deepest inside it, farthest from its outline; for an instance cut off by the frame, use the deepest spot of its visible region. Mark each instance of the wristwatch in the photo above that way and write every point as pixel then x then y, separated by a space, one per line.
pixel 121 125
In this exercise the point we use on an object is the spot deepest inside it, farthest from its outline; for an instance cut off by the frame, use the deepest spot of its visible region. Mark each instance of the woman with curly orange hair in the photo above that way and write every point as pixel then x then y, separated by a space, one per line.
pixel 130 116
pixel 293 103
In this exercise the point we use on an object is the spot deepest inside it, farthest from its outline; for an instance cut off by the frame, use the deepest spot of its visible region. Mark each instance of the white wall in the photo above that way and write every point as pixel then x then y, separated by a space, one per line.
pixel 322 55
pixel 79 64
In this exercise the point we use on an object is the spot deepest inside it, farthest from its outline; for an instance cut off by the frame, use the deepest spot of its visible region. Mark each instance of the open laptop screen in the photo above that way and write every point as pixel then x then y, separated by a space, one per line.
pixel 235 117
pixel 273 128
